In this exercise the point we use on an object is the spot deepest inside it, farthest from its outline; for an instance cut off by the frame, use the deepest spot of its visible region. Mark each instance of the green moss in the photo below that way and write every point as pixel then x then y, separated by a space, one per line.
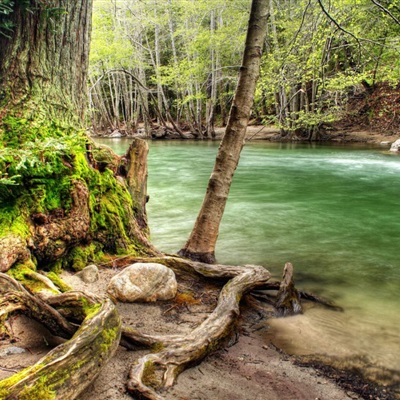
pixel 13 221
pixel 89 309
pixel 58 282
pixel 109 337
pixel 79 257
pixel 149 377
pixel 157 347
pixel 7 383
pixel 40 391
pixel 24 273
pixel 40 163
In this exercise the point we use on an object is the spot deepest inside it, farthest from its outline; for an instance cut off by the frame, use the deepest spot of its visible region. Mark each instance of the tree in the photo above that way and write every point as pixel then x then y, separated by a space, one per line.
pixel 63 201
pixel 201 243
pixel 60 196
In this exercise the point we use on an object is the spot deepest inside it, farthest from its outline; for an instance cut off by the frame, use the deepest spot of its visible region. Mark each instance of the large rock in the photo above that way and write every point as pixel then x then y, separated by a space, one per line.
pixel 143 282
pixel 395 146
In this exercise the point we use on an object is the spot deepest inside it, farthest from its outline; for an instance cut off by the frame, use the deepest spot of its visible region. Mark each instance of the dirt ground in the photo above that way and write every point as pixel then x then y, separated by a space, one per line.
pixel 247 367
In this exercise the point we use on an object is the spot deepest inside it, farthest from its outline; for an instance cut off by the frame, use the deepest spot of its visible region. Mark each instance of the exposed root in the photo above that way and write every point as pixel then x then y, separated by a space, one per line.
pixel 67 370
pixel 158 371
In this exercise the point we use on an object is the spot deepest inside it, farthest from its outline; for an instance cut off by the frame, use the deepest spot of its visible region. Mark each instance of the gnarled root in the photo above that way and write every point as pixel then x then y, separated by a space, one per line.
pixel 68 369
pixel 158 371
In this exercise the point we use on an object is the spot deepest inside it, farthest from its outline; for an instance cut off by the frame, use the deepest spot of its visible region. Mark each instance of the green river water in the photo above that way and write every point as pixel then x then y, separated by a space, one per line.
pixel 332 211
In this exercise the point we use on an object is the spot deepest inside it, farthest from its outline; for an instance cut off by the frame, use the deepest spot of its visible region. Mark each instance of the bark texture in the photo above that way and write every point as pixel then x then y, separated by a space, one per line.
pixel 43 66
pixel 201 243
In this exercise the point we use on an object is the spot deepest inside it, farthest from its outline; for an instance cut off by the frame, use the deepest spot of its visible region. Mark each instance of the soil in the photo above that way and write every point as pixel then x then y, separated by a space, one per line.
pixel 246 367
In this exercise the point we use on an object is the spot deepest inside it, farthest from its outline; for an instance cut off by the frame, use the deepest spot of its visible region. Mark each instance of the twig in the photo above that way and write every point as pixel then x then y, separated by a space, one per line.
pixel 9 369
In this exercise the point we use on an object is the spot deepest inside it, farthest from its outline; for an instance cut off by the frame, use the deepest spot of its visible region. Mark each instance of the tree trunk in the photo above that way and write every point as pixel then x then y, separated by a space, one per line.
pixel 202 241
pixel 43 66
pixel 62 199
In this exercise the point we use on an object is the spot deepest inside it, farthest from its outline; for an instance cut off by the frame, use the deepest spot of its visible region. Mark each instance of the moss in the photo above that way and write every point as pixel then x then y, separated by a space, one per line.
pixel 23 273
pixel 40 162
pixel 7 383
pixel 58 282
pixel 149 377
pixel 40 391
pixel 157 347
pixel 109 337
pixel 89 309
pixel 13 221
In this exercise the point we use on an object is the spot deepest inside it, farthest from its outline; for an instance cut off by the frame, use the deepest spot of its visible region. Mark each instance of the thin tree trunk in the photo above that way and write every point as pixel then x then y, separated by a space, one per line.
pixel 202 241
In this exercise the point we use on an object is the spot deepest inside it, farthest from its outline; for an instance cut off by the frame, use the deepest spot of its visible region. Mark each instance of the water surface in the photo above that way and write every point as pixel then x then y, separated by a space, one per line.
pixel 332 211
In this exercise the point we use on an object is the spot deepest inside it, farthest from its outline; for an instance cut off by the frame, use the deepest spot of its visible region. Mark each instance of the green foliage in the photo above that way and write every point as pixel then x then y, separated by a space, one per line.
pixel 203 40
pixel 42 164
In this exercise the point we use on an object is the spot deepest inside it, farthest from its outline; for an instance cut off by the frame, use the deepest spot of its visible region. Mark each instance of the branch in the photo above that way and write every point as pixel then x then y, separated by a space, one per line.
pixel 386 11
pixel 337 24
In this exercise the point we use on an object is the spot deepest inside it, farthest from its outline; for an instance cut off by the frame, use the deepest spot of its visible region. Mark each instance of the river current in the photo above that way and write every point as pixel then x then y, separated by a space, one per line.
pixel 332 211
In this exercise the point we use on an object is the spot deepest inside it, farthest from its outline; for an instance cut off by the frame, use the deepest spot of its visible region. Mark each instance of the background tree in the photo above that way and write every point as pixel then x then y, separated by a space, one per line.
pixel 186 56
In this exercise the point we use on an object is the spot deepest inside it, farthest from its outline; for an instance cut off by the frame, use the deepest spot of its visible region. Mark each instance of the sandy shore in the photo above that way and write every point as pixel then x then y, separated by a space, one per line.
pixel 247 367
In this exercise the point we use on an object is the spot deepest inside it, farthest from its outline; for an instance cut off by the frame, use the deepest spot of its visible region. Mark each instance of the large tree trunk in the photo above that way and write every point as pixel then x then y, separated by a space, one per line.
pixel 43 66
pixel 202 241
pixel 62 199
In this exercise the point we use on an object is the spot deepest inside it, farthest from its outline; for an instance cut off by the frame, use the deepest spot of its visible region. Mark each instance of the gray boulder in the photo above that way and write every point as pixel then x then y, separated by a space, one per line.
pixel 395 146
pixel 143 282
pixel 89 274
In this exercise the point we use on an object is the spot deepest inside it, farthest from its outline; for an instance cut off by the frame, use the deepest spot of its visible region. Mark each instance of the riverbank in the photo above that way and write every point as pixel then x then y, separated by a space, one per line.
pixel 247 366
pixel 354 134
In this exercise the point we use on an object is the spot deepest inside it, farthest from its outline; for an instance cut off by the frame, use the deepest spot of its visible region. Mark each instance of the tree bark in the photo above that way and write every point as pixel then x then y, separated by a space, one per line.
pixel 43 66
pixel 201 243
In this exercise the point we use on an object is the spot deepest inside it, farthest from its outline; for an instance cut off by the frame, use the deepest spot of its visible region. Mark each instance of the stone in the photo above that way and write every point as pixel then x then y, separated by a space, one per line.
pixel 395 146
pixel 116 134
pixel 143 282
pixel 89 274
pixel 9 351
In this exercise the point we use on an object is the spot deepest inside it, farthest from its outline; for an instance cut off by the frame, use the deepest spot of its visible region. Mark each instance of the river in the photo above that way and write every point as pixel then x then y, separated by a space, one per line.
pixel 332 211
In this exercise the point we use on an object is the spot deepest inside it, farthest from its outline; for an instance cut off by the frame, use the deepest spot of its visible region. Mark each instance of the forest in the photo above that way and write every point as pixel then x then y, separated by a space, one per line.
pixel 75 244
pixel 175 64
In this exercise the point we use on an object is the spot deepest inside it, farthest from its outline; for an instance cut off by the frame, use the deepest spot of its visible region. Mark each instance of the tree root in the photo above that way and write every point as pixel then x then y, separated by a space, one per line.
pixel 67 370
pixel 158 371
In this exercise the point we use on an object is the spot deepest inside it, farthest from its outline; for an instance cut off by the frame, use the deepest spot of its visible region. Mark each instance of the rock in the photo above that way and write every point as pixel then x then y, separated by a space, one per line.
pixel 385 143
pixel 143 282
pixel 116 134
pixel 395 146
pixel 89 274
pixel 9 351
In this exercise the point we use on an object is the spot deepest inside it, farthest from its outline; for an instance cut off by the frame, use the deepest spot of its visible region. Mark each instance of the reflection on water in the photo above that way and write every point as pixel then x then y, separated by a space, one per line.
pixel 331 211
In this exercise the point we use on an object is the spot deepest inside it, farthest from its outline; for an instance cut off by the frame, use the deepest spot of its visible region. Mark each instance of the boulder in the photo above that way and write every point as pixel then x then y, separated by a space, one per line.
pixel 395 146
pixel 89 274
pixel 143 282
pixel 116 134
